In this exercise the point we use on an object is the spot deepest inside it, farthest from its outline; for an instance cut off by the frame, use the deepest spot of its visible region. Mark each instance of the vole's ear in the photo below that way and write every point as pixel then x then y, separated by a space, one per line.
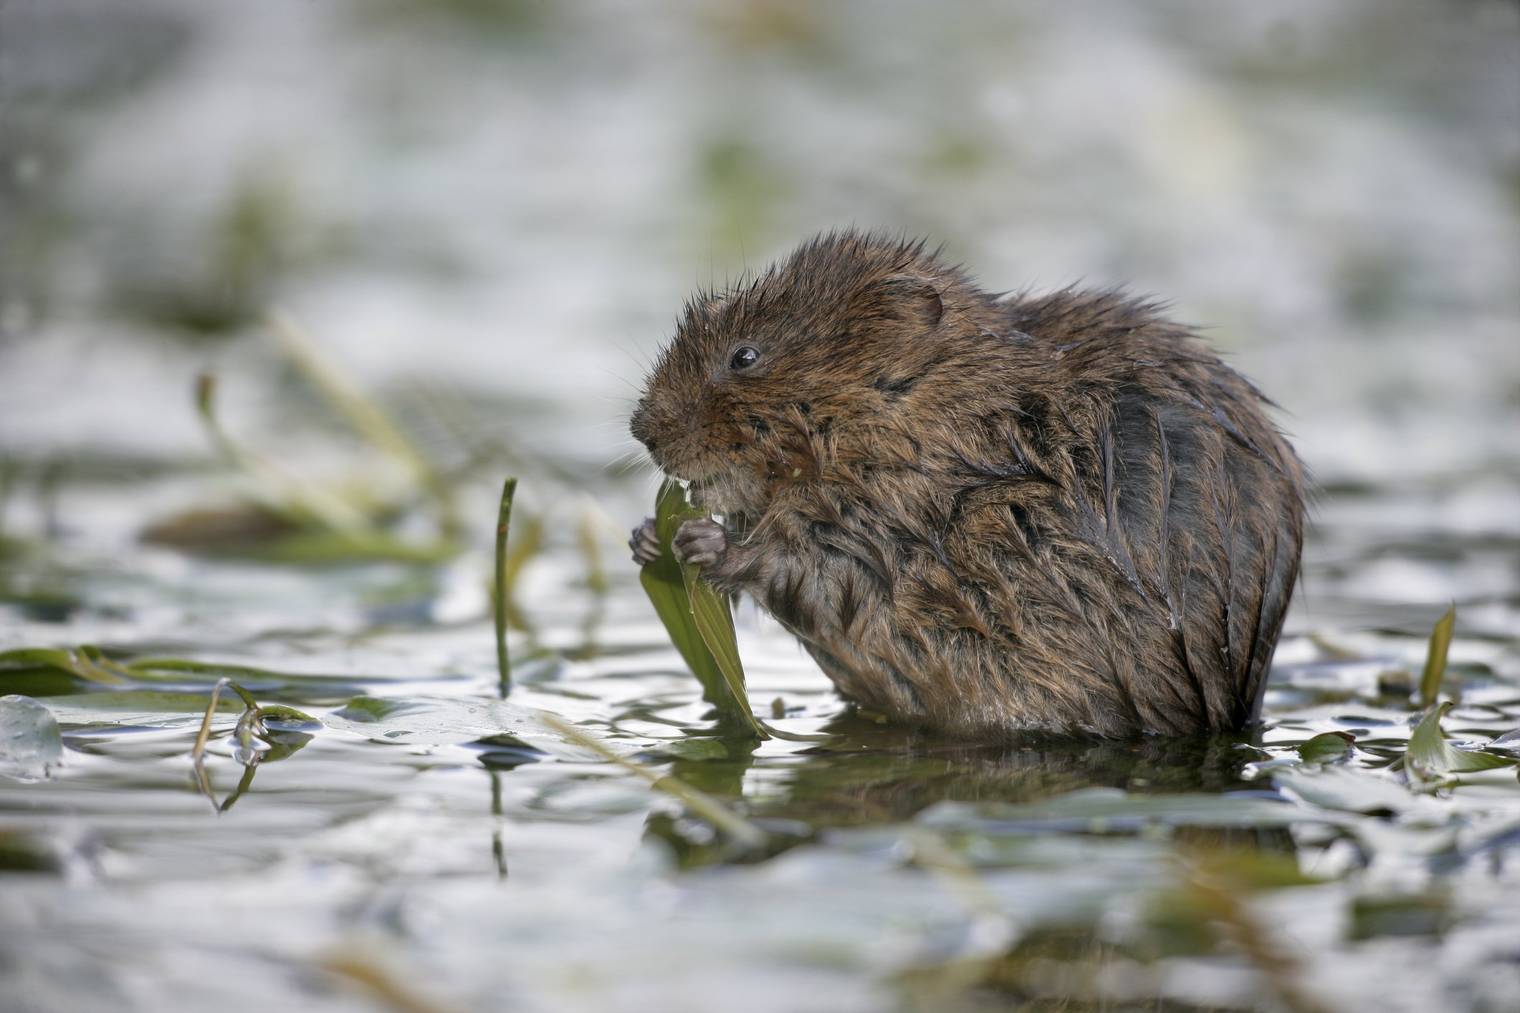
pixel 911 298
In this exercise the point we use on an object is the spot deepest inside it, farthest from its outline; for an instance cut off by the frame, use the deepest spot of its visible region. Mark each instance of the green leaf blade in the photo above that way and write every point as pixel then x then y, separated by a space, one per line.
pixel 1430 756
pixel 1435 658
pixel 696 617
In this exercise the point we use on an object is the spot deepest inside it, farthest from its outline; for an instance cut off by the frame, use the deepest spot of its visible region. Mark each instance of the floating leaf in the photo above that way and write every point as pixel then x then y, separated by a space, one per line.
pixel 1327 747
pixel 1340 789
pixel 1375 917
pixel 85 662
pixel 1430 755
pixel 1435 658
pixel 444 721
pixel 48 672
pixel 696 616
pixel 133 709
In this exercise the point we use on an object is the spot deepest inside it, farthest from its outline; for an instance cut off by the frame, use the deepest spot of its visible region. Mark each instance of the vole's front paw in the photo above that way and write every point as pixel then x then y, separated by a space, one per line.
pixel 700 542
pixel 645 543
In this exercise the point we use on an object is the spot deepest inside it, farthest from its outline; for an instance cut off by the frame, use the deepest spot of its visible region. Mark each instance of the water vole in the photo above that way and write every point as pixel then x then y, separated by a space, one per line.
pixel 982 514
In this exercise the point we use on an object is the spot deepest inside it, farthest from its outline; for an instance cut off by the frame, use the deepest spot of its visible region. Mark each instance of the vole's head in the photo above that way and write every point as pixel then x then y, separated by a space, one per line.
pixel 770 382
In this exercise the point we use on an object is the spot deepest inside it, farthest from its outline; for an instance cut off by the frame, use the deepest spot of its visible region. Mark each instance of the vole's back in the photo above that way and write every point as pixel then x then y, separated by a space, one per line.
pixel 1155 544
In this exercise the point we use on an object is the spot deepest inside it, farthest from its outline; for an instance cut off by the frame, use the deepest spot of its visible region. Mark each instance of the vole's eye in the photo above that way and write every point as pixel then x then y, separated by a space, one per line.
pixel 744 357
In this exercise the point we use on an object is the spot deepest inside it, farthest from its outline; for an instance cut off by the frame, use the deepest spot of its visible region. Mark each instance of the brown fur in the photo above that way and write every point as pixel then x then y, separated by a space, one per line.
pixel 983 514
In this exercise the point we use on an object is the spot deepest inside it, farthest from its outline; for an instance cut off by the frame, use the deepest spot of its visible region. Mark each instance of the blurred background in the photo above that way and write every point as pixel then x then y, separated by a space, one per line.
pixel 512 198
pixel 301 280
pixel 500 205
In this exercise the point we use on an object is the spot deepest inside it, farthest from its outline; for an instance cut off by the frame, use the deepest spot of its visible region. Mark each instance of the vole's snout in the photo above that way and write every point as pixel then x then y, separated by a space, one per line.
pixel 638 425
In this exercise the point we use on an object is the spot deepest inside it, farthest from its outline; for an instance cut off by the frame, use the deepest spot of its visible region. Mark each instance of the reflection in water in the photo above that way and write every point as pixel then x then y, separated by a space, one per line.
pixel 874 775
pixel 886 781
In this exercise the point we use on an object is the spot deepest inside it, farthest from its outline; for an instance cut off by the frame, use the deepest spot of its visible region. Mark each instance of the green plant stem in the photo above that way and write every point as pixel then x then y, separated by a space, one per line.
pixel 503 525
pixel 1435 658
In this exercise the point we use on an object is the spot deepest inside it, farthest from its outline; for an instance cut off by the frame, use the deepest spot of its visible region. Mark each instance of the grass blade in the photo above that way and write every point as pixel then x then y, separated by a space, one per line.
pixel 1435 658
pixel 203 736
pixel 696 617
pixel 715 624
pixel 85 662
pixel 503 525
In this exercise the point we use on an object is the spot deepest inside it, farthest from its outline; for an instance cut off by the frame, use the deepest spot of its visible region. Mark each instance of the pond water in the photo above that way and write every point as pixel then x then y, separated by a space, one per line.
pixel 480 217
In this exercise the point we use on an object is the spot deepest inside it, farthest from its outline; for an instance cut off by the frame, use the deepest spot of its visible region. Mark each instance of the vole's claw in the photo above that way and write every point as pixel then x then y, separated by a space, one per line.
pixel 645 543
pixel 700 542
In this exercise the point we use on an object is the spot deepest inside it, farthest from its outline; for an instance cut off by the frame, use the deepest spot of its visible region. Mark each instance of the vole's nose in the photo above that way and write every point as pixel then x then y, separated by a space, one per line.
pixel 638 425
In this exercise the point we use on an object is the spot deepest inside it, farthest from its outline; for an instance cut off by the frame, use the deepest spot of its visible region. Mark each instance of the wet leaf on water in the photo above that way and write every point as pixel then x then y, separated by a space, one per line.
pixel 23 852
pixel 213 530
pixel 1430 755
pixel 288 717
pixel 30 742
pixel 85 662
pixel 1334 789
pixel 1435 658
pixel 368 709
pixel 692 748
pixel 54 672
pixel 311 685
pixel 697 618
pixel 42 681
pixel 1374 917
pixel 145 708
pixel 445 721
pixel 1328 747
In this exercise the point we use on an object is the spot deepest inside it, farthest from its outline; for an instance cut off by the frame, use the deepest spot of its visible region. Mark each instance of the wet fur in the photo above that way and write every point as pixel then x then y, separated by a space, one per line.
pixel 983 514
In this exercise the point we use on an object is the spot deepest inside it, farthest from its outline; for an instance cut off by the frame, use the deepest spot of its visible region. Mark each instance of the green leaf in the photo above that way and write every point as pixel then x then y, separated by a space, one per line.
pixel 134 708
pixel 1327 747
pixel 1430 755
pixel 85 662
pixel 1435 658
pixel 288 715
pixel 696 617
pixel 715 623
